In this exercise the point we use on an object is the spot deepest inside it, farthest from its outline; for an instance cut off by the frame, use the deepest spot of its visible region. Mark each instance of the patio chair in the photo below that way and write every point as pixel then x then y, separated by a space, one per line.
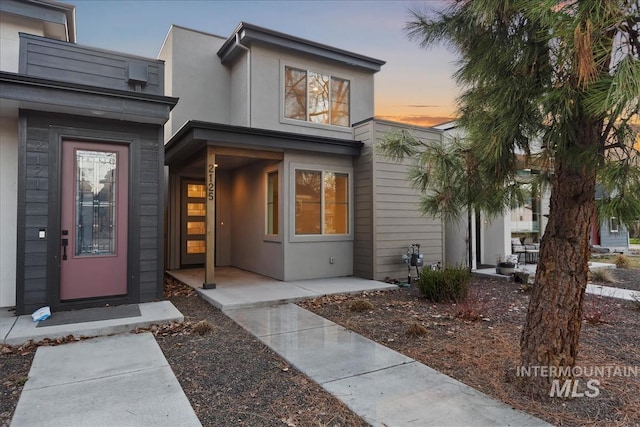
pixel 517 248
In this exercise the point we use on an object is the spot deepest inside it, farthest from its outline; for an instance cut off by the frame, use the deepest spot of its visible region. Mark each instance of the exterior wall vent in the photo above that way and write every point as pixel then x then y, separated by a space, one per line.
pixel 138 74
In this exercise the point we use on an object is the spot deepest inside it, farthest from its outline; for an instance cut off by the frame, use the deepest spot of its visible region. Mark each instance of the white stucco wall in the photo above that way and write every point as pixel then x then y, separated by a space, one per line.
pixel 8 209
pixel 10 39
pixel 496 238
pixel 194 74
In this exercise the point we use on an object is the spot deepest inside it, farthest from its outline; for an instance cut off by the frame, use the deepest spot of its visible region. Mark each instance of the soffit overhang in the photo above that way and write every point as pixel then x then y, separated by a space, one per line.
pixel 63 97
pixel 194 136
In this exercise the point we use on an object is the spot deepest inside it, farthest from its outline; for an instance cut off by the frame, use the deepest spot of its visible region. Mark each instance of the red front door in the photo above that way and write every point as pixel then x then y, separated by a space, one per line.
pixel 94 212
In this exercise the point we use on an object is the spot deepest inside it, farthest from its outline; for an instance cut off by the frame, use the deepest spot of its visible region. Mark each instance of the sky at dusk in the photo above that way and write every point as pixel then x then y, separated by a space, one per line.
pixel 414 86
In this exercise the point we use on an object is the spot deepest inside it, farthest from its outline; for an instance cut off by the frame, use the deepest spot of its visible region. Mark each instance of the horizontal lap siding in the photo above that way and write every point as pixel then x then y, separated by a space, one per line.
pixel 146 155
pixel 34 214
pixel 363 205
pixel 57 60
pixel 150 231
pixel 398 219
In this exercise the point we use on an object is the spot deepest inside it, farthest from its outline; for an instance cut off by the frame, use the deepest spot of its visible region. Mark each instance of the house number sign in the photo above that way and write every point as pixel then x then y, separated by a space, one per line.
pixel 211 187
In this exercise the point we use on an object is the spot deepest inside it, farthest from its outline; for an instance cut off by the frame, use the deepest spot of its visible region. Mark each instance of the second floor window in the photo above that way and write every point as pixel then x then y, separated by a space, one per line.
pixel 316 97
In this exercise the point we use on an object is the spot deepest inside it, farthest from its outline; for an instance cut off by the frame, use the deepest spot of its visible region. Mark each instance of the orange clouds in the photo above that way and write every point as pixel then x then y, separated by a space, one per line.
pixel 418 120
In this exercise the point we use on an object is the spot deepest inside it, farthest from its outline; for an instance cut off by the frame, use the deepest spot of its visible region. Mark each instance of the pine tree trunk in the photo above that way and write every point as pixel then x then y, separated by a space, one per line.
pixel 552 330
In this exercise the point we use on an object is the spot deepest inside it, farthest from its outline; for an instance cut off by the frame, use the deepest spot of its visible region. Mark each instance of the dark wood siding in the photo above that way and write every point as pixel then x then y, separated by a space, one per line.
pixel 69 62
pixel 38 203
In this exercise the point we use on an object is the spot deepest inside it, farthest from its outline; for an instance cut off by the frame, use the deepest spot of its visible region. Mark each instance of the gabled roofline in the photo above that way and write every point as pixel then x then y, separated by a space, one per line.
pixel 248 33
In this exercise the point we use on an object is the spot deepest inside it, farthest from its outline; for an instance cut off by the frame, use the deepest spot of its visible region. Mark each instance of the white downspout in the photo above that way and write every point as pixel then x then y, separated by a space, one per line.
pixel 248 76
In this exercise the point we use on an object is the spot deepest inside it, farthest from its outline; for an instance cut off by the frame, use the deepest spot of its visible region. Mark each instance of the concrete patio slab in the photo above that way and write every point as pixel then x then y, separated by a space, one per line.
pixel 252 295
pixel 121 390
pixel 417 395
pixel 160 312
pixel 7 321
pixel 237 288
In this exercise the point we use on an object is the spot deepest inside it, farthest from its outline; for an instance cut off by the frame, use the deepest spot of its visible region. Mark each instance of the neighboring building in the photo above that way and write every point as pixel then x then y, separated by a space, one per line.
pixel 81 165
pixel 271 161
pixel 496 237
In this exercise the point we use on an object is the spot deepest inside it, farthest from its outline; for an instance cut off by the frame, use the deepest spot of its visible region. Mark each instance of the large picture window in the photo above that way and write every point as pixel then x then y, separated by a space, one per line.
pixel 322 202
pixel 316 97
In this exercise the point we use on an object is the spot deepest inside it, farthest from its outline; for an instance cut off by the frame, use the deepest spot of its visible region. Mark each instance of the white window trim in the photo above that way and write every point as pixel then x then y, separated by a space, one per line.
pixel 296 238
pixel 307 123
pixel 273 237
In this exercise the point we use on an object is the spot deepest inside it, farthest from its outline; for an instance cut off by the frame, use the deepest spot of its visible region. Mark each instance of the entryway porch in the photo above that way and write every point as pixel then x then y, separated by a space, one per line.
pixel 236 288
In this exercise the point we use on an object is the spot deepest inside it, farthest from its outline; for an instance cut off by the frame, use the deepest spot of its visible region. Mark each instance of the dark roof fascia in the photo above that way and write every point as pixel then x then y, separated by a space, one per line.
pixel 249 33
pixel 194 135
pixel 6 77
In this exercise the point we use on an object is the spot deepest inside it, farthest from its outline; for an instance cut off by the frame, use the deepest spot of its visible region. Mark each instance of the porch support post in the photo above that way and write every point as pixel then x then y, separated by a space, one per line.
pixel 210 254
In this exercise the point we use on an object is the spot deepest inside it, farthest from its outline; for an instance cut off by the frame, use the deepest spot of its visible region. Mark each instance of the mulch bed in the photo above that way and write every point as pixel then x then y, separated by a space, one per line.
pixel 477 342
pixel 231 378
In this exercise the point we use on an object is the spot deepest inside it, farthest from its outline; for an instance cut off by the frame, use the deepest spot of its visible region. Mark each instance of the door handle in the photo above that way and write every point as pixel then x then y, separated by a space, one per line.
pixel 65 243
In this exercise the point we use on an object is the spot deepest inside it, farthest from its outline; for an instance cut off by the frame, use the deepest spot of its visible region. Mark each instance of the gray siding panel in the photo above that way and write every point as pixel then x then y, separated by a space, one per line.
pixel 618 240
pixel 363 258
pixel 398 219
pixel 58 60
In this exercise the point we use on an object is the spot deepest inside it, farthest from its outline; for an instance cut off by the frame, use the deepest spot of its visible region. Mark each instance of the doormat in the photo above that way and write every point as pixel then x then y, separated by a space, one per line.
pixel 91 315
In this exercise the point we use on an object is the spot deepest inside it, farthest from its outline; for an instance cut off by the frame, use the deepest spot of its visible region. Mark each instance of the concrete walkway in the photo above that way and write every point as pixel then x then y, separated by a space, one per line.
pixel 122 380
pixel 383 386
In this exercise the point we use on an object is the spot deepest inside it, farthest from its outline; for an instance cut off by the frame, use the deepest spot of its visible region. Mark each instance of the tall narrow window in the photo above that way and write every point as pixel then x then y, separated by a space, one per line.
pixel 336 203
pixel 295 94
pixel 316 97
pixel 96 189
pixel 308 202
pixel 272 202
pixel 322 202
pixel 339 102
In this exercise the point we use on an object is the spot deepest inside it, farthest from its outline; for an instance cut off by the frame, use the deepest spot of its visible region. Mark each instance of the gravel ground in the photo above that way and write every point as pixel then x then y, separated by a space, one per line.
pixel 624 278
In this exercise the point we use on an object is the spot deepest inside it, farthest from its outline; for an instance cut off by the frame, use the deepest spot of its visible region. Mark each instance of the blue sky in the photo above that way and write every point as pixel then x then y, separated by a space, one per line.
pixel 415 85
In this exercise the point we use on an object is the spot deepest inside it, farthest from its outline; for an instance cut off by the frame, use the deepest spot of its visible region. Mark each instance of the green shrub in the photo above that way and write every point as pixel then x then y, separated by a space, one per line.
pixel 447 285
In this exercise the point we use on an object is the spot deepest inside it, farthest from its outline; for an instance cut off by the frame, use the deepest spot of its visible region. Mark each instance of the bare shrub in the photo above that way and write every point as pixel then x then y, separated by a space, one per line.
pixel 361 305
pixel 416 330
pixel 203 327
pixel 621 261
pixel 603 275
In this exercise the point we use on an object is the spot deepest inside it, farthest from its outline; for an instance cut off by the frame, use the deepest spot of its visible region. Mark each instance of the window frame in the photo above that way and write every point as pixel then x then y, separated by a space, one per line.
pixel 307 122
pixel 278 236
pixel 323 169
